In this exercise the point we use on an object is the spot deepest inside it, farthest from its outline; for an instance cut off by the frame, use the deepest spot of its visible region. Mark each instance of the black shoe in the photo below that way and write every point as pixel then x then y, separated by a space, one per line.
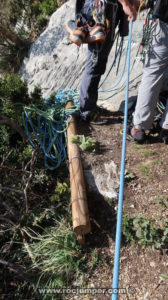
pixel 164 136
pixel 101 110
pixel 95 118
pixel 138 134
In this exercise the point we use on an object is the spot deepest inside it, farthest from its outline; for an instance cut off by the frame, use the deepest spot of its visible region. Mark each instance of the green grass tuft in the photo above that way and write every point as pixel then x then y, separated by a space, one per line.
pixel 145 172
pixel 57 256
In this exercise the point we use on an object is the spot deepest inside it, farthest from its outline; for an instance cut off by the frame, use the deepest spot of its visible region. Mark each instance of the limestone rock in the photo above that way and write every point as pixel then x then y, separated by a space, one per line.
pixel 55 63
pixel 105 183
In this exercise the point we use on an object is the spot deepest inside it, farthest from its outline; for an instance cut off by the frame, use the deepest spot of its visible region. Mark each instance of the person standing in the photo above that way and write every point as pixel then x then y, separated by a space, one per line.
pixel 100 40
pixel 153 77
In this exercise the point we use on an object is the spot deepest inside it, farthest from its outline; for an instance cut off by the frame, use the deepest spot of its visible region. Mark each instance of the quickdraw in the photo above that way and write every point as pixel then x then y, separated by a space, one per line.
pixel 98 11
pixel 145 42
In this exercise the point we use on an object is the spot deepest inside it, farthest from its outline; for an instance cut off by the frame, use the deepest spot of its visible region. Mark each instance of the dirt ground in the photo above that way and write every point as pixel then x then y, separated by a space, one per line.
pixel 140 267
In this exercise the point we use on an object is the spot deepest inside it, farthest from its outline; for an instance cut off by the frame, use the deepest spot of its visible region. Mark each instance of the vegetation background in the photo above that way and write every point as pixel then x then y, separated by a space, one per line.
pixel 37 245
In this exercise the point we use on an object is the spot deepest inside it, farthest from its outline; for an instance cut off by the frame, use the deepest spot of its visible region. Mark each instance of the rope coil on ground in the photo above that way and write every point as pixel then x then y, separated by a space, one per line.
pixel 46 126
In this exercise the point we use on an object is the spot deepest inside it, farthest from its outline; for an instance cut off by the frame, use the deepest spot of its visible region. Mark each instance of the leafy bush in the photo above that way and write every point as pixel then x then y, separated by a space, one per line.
pixel 47 7
pixel 145 231
pixel 4 140
pixel 41 21
pixel 11 56
pixel 13 95
pixel 85 143
pixel 13 88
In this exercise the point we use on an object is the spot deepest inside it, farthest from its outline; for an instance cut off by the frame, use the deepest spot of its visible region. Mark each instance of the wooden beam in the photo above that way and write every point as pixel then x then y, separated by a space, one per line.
pixel 80 213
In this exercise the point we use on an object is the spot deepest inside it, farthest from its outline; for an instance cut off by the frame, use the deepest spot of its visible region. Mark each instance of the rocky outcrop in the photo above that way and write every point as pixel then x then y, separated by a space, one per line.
pixel 55 63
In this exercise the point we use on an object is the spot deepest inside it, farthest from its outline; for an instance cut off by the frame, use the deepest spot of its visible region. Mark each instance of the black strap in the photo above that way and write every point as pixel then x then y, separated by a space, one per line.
pixel 161 10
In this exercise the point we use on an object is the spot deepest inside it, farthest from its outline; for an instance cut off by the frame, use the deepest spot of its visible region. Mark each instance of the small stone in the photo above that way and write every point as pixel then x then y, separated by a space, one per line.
pixel 152 264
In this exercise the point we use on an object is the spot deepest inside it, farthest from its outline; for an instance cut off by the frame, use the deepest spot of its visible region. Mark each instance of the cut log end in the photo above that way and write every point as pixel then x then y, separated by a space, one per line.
pixel 81 239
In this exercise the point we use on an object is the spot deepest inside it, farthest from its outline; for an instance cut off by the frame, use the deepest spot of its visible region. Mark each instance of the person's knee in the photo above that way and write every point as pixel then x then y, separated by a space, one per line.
pixel 96 66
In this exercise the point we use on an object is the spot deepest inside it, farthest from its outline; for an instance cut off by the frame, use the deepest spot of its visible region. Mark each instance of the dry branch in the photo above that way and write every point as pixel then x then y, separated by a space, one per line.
pixel 11 190
pixel 16 270
pixel 27 182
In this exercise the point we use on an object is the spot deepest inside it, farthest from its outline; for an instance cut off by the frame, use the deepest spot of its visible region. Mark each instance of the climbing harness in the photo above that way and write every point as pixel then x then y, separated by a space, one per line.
pixel 99 17
pixel 121 190
pixel 98 11
pixel 46 126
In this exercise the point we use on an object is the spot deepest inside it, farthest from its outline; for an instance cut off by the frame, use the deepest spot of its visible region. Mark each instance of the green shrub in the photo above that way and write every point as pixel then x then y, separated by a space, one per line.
pixel 85 143
pixel 144 231
pixel 47 7
pixel 41 21
pixel 57 256
pixel 13 96
pixel 13 88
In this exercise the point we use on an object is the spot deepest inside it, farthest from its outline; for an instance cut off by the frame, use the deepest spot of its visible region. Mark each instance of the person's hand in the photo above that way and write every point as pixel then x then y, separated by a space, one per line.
pixel 130 9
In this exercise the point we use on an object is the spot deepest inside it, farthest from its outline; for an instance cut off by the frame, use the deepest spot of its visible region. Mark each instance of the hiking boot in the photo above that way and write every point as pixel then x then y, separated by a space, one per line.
pixel 77 31
pixel 94 118
pixel 164 136
pixel 101 110
pixel 137 134
pixel 97 33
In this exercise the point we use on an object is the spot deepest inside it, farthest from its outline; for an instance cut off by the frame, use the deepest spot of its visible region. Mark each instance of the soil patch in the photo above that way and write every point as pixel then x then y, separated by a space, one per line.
pixel 140 267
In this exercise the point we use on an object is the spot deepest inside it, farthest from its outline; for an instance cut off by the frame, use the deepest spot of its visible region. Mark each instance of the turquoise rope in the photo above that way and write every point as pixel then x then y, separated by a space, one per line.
pixel 46 126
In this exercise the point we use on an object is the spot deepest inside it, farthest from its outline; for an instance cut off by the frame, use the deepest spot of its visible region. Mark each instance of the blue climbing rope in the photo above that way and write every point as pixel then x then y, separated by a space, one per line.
pixel 46 126
pixel 121 190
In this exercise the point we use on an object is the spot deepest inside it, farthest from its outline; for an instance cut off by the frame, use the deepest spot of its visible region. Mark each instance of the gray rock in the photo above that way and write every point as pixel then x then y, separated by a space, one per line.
pixel 105 183
pixel 54 63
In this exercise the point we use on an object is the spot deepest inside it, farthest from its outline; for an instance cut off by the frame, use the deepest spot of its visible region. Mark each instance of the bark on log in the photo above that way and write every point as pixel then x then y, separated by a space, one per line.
pixel 80 213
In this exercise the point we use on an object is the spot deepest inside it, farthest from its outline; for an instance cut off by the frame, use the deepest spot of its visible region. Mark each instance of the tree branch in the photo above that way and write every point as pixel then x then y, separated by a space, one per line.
pixel 31 163
pixel 8 34
pixel 11 190
pixel 16 270
pixel 7 121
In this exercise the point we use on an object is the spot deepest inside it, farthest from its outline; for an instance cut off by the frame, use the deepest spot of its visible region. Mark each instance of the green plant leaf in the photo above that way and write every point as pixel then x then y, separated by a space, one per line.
pixel 163 277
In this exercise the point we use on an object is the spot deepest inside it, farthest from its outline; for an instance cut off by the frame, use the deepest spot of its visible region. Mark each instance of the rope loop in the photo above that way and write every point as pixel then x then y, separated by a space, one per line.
pixel 46 126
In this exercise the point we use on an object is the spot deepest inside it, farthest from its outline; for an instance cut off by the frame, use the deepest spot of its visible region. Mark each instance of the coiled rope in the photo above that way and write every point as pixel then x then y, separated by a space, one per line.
pixel 46 126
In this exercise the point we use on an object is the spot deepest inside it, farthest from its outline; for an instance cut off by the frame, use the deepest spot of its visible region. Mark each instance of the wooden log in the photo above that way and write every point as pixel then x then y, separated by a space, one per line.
pixel 80 213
